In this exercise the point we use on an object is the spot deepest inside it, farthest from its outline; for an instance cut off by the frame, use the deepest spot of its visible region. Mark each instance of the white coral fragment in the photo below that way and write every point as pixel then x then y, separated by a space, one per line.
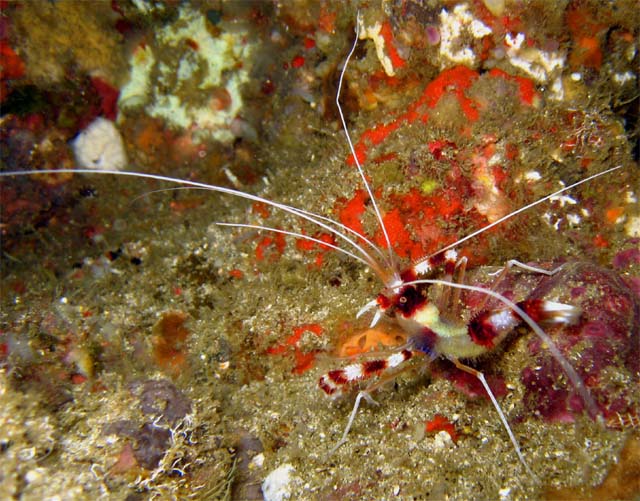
pixel 540 65
pixel 278 484
pixel 374 33
pixel 100 146
pixel 454 28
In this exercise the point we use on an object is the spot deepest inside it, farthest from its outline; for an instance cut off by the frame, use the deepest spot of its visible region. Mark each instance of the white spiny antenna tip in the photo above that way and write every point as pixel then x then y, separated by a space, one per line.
pixel 370 305
pixel 422 266
pixel 375 319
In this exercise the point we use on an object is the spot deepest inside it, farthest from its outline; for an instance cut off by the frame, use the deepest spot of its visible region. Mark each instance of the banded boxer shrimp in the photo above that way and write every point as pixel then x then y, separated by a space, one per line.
pixel 387 269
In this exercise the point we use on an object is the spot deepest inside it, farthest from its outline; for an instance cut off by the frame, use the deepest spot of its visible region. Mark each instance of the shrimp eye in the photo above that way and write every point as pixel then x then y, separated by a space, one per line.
pixel 402 300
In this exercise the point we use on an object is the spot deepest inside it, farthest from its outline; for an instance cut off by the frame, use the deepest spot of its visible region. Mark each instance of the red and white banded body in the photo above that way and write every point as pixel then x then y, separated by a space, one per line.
pixel 436 326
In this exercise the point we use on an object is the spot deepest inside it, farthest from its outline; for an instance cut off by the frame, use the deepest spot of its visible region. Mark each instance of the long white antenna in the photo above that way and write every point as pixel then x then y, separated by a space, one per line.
pixel 297 235
pixel 522 209
pixel 295 211
pixel 313 218
pixel 391 258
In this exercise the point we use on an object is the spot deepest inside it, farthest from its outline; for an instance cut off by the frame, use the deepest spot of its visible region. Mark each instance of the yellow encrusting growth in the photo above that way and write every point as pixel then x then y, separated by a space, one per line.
pixel 51 33
pixel 182 90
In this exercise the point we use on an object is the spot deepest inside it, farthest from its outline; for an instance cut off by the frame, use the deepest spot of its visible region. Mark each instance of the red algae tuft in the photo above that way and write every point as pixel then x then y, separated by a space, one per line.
pixel 304 360
pixel 441 423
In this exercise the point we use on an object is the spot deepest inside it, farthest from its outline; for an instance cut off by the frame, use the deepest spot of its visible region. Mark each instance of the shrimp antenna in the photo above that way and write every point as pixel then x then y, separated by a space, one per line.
pixel 297 235
pixel 370 261
pixel 391 259
pixel 518 211
pixel 313 218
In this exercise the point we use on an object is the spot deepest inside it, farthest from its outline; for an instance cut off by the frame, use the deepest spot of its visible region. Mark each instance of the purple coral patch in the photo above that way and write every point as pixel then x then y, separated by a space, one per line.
pixel 150 442
pixel 604 347
pixel 626 258
pixel 151 439
pixel 162 398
